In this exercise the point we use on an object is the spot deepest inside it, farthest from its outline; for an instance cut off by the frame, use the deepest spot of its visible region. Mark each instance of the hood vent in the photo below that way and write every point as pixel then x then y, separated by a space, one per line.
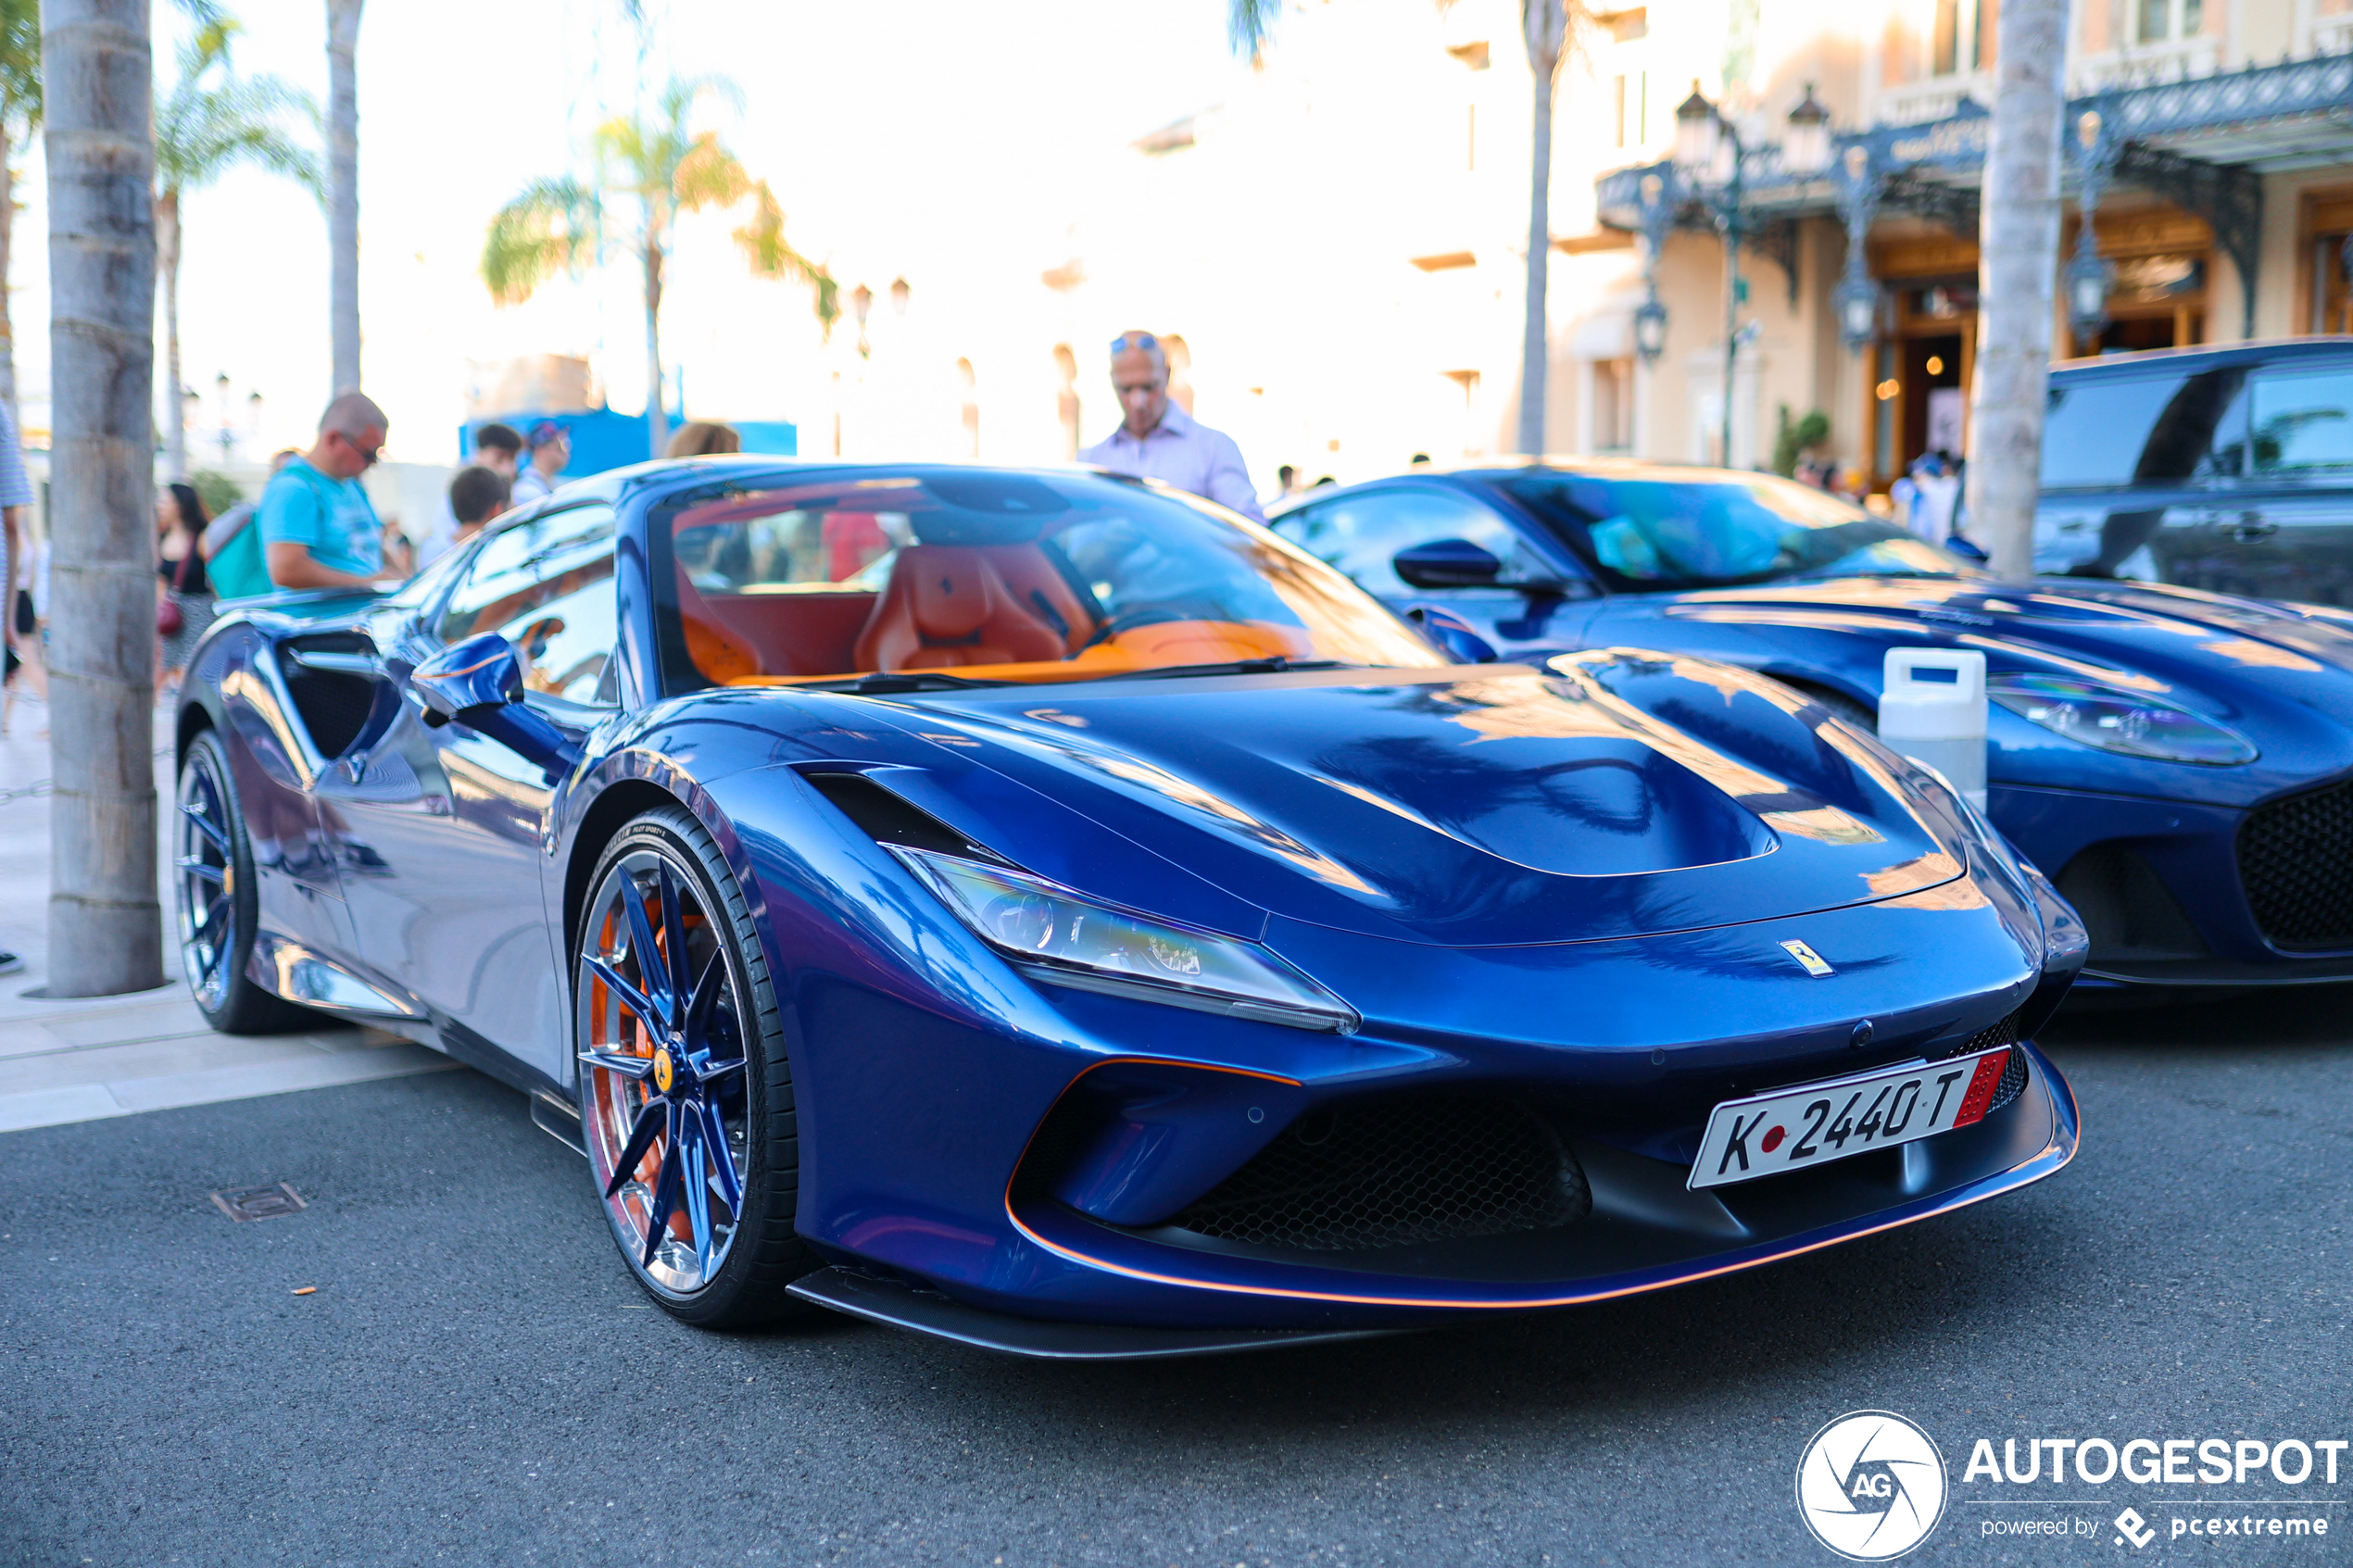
pixel 887 819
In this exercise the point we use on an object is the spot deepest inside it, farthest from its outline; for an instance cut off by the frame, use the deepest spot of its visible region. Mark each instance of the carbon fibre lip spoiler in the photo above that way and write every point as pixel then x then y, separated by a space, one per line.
pixel 926 1312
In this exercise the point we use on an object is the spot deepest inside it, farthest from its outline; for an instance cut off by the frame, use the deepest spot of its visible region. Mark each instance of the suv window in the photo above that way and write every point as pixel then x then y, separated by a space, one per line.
pixel 2112 431
pixel 1362 534
pixel 2301 421
pixel 2094 430
pixel 547 586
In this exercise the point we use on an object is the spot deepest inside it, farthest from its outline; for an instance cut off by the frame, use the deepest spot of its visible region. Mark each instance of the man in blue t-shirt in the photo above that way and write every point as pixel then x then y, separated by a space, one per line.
pixel 317 526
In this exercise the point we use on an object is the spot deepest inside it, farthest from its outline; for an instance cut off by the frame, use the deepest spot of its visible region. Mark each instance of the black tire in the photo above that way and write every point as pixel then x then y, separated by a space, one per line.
pixel 762 1252
pixel 215 869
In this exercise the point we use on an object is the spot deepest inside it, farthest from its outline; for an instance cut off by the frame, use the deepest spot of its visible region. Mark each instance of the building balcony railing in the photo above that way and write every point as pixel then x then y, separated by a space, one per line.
pixel 1938 97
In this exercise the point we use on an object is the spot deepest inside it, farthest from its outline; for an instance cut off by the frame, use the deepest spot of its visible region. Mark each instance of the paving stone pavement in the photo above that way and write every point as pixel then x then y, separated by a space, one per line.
pixel 80 1060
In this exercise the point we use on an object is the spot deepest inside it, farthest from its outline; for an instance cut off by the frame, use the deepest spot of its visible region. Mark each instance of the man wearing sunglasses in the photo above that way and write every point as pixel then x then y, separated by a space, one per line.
pixel 1158 440
pixel 316 524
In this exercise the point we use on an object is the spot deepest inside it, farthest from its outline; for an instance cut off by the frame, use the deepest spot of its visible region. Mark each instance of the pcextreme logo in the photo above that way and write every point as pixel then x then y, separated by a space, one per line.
pixel 1870 1486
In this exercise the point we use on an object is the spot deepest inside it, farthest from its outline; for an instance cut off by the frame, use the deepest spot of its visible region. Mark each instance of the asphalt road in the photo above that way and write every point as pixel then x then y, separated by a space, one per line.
pixel 476 1380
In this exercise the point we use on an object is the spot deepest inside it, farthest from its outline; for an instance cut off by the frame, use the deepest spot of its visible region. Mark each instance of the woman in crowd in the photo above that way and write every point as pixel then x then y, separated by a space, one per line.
pixel 183 604
pixel 703 438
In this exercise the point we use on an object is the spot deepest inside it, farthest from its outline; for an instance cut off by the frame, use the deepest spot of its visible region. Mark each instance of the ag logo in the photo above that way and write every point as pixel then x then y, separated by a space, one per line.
pixel 1870 1486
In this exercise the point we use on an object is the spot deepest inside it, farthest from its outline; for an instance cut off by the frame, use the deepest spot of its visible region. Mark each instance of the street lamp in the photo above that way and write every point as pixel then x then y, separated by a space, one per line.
pixel 862 299
pixel 2088 277
pixel 1650 330
pixel 1698 133
pixel 1858 306
pixel 1805 146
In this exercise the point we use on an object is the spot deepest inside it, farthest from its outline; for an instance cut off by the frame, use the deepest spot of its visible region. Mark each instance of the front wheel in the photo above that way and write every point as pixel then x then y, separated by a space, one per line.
pixel 685 1093
pixel 218 900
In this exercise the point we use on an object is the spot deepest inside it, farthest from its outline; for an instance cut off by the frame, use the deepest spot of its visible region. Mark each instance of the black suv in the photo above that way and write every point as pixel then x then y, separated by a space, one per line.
pixel 2228 469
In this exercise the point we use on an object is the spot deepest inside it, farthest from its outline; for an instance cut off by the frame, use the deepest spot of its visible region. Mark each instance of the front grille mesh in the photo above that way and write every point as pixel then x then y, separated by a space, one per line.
pixel 2004 1033
pixel 2296 862
pixel 1389 1174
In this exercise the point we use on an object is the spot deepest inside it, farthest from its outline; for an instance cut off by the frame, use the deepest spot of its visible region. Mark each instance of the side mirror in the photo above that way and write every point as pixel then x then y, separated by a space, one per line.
pixel 1447 563
pixel 1452 632
pixel 478 683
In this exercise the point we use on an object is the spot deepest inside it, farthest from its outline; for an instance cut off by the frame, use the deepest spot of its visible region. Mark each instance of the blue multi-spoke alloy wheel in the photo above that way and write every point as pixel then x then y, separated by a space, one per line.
pixel 212 874
pixel 686 1096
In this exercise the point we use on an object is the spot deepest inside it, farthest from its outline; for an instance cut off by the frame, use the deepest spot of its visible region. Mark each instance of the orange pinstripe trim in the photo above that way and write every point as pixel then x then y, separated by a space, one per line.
pixel 1576 1300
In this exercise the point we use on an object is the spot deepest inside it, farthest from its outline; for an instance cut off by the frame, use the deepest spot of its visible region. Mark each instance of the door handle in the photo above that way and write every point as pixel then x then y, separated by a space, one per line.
pixel 2251 526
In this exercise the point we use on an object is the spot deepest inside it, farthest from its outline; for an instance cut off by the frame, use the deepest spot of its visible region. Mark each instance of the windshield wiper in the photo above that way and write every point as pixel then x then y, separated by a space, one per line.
pixel 1276 665
pixel 884 682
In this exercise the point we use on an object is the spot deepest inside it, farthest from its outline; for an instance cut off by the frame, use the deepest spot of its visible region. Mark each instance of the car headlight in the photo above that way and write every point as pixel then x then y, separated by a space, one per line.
pixel 2120 721
pixel 1067 938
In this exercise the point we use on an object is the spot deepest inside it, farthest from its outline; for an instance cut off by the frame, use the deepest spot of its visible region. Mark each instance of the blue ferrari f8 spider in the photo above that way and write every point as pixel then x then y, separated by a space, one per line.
pixel 1046 910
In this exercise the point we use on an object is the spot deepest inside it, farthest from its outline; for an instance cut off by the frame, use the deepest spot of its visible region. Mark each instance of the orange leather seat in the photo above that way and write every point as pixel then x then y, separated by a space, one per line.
pixel 950 605
pixel 720 654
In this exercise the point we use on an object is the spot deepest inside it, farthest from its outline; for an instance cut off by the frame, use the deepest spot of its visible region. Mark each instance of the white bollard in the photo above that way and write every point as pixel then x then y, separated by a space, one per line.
pixel 1940 720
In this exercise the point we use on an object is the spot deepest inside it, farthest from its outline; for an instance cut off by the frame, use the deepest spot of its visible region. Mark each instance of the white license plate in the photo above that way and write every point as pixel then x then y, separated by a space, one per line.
pixel 1789 1129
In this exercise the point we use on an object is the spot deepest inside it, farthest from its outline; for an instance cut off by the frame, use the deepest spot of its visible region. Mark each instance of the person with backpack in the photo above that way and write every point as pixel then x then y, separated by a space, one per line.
pixel 318 528
pixel 231 545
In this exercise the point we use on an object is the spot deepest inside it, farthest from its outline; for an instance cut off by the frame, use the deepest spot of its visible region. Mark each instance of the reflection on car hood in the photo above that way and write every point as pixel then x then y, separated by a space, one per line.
pixel 1504 805
pixel 2117 630
pixel 2282 675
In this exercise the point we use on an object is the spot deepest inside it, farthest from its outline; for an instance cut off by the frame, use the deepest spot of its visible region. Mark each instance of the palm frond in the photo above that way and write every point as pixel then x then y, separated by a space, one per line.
pixel 213 120
pixel 552 225
pixel 20 64
pixel 680 93
pixel 709 175
pixel 770 256
pixel 1249 24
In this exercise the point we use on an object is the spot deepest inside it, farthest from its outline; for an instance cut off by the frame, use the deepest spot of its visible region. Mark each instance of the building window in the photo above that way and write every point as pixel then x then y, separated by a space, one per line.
pixel 1945 41
pixel 2160 21
pixel 1613 404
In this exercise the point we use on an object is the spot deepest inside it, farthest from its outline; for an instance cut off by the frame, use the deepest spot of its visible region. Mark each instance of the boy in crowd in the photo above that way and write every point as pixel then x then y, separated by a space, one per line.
pixel 476 495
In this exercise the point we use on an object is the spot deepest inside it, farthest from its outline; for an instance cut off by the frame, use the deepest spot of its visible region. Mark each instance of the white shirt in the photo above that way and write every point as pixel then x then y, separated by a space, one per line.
pixel 530 484
pixel 1187 454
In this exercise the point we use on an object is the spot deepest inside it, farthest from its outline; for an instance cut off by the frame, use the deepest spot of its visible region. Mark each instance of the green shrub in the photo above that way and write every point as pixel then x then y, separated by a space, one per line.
pixel 219 492
pixel 1793 440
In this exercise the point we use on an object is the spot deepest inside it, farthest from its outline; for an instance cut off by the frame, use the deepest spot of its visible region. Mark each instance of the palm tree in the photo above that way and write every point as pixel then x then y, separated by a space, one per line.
pixel 663 169
pixel 106 924
pixel 213 120
pixel 343 192
pixel 2018 245
pixel 1550 29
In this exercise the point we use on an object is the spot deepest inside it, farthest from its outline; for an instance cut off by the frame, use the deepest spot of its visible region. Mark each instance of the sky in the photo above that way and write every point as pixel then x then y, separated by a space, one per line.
pixel 939 141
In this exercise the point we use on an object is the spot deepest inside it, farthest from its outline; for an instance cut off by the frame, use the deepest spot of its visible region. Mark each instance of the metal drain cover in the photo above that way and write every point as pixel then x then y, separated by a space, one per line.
pixel 258 1203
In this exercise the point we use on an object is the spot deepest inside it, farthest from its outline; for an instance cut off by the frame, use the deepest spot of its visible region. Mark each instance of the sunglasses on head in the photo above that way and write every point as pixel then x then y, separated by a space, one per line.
pixel 1126 341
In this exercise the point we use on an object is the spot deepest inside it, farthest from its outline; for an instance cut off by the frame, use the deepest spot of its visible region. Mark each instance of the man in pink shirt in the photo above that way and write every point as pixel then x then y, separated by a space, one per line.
pixel 1158 440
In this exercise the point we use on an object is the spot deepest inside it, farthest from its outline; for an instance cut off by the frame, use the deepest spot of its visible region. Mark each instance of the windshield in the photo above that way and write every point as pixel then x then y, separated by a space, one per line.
pixel 993 576
pixel 1647 534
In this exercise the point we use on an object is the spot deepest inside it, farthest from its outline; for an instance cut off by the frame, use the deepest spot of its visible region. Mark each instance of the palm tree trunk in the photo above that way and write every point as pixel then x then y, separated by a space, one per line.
pixel 105 927
pixel 657 424
pixel 343 192
pixel 1535 351
pixel 175 404
pixel 2017 271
